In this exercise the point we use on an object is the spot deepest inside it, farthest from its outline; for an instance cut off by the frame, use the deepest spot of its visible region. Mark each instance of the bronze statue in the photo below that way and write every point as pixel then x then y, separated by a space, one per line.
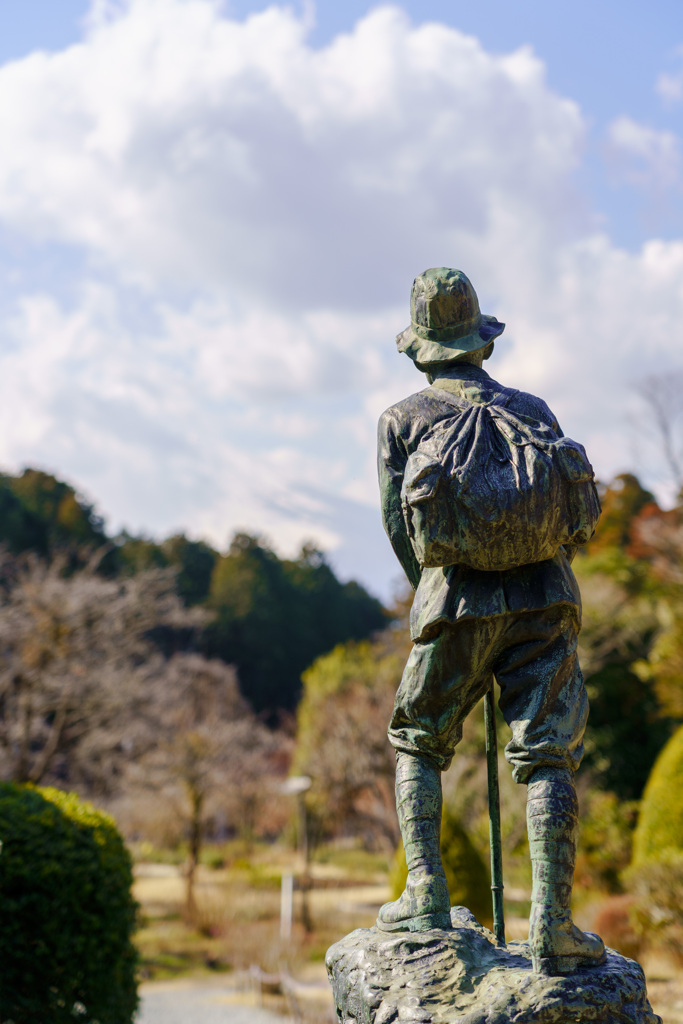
pixel 485 502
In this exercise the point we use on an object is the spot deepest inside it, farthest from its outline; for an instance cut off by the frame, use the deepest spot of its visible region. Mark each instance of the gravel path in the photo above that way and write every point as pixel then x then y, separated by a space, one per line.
pixel 197 1002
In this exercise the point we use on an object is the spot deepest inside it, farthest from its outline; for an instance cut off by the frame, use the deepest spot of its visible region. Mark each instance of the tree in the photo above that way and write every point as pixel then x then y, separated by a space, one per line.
pixel 626 728
pixel 77 667
pixel 630 652
pixel 659 536
pixel 275 617
pixel 661 393
pixel 208 744
pixel 622 499
pixel 20 529
pixel 61 516
pixel 192 560
pixel 136 554
pixel 40 513
pixel 342 744
pixel 195 561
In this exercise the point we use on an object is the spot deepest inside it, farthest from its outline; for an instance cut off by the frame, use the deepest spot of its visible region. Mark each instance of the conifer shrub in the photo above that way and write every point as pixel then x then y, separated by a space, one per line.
pixel 655 878
pixel 67 912
pixel 660 826
pixel 464 867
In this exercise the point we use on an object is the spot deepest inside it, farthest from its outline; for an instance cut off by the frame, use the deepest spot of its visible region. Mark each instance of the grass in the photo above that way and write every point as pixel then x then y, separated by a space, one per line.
pixel 354 861
pixel 237 918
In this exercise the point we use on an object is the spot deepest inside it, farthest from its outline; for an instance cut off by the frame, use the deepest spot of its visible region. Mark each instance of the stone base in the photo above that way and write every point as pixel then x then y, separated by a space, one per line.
pixel 464 977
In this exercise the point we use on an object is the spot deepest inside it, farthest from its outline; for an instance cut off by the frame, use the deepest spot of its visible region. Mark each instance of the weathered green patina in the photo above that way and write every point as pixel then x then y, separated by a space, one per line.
pixel 463 976
pixel 499 455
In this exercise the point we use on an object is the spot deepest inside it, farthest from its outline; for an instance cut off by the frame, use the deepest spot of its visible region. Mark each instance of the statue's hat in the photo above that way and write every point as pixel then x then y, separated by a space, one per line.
pixel 445 321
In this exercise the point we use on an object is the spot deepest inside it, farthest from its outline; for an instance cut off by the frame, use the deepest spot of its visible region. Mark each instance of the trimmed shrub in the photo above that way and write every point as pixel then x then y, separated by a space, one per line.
pixel 660 827
pixel 67 912
pixel 464 867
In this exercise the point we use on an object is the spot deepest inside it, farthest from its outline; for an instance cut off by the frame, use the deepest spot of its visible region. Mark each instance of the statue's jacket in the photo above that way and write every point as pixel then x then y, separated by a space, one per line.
pixel 451 593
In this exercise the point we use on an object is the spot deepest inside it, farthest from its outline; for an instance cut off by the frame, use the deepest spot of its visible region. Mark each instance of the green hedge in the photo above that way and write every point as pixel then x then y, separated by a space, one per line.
pixel 66 912
pixel 660 826
pixel 464 867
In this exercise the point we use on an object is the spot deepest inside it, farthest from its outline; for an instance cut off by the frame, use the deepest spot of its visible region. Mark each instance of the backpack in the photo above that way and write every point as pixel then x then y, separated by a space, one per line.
pixel 494 490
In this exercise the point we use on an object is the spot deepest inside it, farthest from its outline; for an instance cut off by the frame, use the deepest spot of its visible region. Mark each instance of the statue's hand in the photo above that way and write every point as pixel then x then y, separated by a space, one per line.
pixel 570 551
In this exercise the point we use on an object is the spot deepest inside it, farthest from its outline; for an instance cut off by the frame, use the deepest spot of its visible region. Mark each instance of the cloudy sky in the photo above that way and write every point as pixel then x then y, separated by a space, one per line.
pixel 211 215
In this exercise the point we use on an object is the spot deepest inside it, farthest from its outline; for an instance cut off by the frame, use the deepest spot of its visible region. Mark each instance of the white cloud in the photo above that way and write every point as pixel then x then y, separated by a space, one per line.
pixel 670 86
pixel 611 319
pixel 249 213
pixel 645 155
pixel 184 148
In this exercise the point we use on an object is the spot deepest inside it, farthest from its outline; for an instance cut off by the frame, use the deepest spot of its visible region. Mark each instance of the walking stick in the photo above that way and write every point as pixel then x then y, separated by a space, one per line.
pixel 494 816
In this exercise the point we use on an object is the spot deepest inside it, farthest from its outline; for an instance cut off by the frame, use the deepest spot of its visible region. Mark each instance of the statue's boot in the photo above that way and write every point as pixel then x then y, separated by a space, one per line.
pixel 425 903
pixel 557 945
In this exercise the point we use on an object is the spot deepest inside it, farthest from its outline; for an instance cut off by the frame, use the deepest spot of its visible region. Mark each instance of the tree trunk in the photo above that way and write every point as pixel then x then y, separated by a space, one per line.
pixel 42 762
pixel 22 769
pixel 196 802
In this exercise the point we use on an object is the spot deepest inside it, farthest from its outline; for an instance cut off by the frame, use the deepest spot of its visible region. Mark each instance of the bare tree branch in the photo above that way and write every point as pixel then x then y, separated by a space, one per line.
pixel 662 393
pixel 76 665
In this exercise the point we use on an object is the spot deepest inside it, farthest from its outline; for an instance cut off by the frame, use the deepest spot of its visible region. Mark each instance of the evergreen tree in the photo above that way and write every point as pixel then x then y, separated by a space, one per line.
pixel 275 617
pixel 40 513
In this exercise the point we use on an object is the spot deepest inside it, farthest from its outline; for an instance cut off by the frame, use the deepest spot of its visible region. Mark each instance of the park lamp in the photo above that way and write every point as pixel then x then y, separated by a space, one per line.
pixel 296 785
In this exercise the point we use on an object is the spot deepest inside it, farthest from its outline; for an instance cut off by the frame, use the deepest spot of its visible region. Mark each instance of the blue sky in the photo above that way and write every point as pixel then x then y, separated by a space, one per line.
pixel 210 217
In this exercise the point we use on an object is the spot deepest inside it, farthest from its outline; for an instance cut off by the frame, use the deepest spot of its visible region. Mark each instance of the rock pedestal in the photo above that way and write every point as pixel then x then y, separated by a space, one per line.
pixel 464 977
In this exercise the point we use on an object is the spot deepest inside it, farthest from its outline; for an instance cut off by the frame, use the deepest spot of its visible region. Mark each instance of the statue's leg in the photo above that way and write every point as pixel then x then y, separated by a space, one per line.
pixel 543 699
pixel 557 945
pixel 425 902
pixel 444 678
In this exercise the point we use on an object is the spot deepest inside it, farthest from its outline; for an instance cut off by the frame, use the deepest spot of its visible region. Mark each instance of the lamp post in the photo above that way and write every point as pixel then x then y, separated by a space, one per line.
pixel 298 785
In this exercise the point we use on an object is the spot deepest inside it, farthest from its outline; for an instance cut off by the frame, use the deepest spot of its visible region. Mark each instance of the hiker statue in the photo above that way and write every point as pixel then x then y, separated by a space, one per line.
pixel 485 501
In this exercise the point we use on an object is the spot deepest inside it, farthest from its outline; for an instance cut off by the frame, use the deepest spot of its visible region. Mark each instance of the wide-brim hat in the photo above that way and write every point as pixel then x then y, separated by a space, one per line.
pixel 445 320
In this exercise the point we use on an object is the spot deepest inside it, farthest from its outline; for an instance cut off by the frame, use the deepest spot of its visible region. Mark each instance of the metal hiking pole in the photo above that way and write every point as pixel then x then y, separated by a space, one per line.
pixel 494 816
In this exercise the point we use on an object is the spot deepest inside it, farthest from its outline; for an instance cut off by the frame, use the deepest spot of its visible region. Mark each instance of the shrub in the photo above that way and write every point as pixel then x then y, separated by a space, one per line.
pixel 614 923
pixel 606 840
pixel 660 828
pixel 67 912
pixel 465 870
pixel 656 912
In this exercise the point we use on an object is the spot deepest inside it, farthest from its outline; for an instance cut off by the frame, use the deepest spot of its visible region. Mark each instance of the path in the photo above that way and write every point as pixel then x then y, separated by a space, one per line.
pixel 198 1002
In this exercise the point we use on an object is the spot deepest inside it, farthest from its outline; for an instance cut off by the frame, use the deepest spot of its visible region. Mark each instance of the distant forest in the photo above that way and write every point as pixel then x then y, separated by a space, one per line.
pixel 269 617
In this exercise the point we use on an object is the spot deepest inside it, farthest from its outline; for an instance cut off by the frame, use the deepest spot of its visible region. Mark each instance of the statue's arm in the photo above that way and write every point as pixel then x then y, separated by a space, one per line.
pixel 570 551
pixel 391 461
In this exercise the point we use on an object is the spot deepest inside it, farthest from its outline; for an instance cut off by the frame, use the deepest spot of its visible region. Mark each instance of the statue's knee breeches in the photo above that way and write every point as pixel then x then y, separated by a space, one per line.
pixel 443 679
pixel 543 698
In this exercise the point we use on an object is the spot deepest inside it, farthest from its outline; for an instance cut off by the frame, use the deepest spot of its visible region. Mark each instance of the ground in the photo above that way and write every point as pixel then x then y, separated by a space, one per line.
pixel 238 927
pixel 202 1000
